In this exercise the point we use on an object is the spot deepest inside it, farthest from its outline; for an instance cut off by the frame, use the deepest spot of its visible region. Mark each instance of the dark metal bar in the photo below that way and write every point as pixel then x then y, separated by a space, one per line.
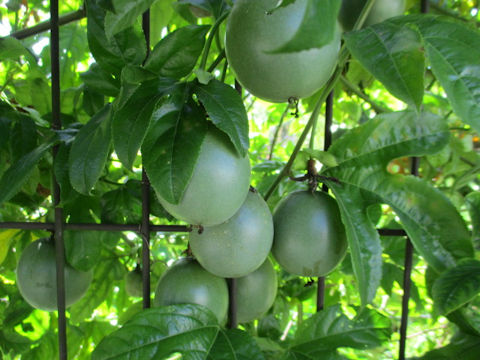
pixel 93 227
pixel 46 25
pixel 145 228
pixel 407 282
pixel 326 144
pixel 58 225
pixel 392 232
pixel 232 307
pixel 425 6
pixel 238 87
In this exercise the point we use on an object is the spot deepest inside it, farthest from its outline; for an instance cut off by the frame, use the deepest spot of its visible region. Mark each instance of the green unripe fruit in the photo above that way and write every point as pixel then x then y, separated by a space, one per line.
pixel 186 282
pixel 134 283
pixel 219 183
pixel 238 246
pixel 256 292
pixel 37 277
pixel 251 36
pixel 310 237
pixel 380 11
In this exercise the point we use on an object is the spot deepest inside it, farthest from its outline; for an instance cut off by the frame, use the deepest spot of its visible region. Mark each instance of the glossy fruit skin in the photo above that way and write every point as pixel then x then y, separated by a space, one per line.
pixel 381 11
pixel 256 292
pixel 133 283
pixel 310 237
pixel 36 277
pixel 186 282
pixel 238 246
pixel 219 183
pixel 252 33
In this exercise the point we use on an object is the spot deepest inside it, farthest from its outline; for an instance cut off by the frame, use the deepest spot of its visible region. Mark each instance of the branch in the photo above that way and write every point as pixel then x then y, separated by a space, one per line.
pixel 46 25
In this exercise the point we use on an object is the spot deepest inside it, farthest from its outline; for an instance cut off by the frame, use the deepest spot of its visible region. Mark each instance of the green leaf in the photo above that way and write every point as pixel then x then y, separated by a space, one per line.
pixel 363 239
pixel 157 333
pixel 465 347
pixel 235 344
pixel 172 146
pixel 431 221
pixel 453 50
pixel 125 15
pixel 132 116
pixel 126 47
pixel 225 109
pixel 317 29
pixel 331 329
pixel 6 238
pixel 324 157
pixel 17 174
pixel 100 81
pixel 82 249
pixel 176 54
pixel 90 151
pixel 472 201
pixel 457 286
pixel 394 55
pixel 123 205
pixel 13 49
pixel 214 7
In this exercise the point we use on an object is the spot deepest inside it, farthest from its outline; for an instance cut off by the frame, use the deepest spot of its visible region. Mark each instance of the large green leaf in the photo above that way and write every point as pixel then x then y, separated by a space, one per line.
pixel 457 286
pixel 126 47
pixel 330 329
pixel 317 29
pixel 235 344
pixel 225 109
pixel 176 54
pixel 18 173
pixel 432 222
pixel 473 204
pixel 394 55
pixel 97 79
pixel 157 333
pixel 172 145
pixel 463 347
pixel 453 50
pixel 214 7
pixel 125 15
pixel 132 114
pixel 89 151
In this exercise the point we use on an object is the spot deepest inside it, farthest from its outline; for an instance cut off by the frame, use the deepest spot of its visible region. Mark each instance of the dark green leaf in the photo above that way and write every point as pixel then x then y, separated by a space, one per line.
pixel 317 29
pixel 23 137
pixel 46 348
pixel 132 115
pixel 234 344
pixel 214 7
pixel 157 333
pixel 82 249
pixel 125 15
pixel 457 286
pixel 127 47
pixel 89 151
pixel 123 205
pixel 473 204
pixel 225 109
pixel 432 222
pixel 331 329
pixel 17 174
pixel 171 148
pixel 463 347
pixel 13 49
pixel 100 81
pixel 176 54
pixel 394 55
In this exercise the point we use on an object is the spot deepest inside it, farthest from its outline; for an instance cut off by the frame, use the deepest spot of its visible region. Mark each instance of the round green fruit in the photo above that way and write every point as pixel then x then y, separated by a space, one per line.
pixel 37 281
pixel 218 186
pixel 310 237
pixel 238 246
pixel 252 35
pixel 380 11
pixel 186 282
pixel 256 292
pixel 134 283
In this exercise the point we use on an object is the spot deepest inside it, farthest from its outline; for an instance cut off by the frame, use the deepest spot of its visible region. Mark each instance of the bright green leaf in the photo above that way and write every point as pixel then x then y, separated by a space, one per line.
pixel 234 344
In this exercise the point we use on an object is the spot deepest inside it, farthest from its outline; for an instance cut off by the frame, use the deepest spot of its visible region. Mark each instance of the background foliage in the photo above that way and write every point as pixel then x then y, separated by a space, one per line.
pixel 427 106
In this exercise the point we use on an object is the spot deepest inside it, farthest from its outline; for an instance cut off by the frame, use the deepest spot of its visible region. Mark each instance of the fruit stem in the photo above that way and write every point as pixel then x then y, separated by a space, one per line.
pixel 210 37
pixel 277 131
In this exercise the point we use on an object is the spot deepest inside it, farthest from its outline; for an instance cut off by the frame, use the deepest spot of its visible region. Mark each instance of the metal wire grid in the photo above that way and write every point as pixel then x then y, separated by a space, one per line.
pixel 145 228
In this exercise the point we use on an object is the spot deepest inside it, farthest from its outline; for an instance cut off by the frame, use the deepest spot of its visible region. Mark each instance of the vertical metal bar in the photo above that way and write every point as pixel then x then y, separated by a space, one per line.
pixel 232 307
pixel 425 6
pixel 145 226
pixel 326 145
pixel 58 225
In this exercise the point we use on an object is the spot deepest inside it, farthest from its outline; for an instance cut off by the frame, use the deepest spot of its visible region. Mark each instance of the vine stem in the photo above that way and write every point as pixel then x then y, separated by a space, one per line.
pixel 354 89
pixel 342 59
pixel 277 131
pixel 210 38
